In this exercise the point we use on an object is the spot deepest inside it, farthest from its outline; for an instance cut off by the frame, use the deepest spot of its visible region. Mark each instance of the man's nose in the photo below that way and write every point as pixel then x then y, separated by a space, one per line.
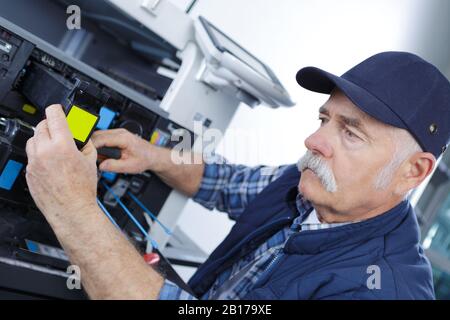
pixel 319 143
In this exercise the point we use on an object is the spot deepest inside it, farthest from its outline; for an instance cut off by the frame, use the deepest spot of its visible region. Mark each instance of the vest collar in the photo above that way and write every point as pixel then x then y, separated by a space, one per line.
pixel 315 241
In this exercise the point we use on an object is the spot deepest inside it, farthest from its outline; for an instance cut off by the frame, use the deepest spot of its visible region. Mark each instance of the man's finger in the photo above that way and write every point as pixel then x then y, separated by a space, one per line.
pixel 108 132
pixel 41 132
pixel 30 148
pixel 57 123
pixel 90 151
pixel 109 138
pixel 103 132
pixel 112 165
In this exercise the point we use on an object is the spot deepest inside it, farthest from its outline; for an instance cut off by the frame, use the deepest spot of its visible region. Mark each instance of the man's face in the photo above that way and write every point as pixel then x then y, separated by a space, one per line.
pixel 351 148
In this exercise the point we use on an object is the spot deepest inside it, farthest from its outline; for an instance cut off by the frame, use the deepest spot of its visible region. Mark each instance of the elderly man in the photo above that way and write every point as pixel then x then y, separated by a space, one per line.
pixel 336 226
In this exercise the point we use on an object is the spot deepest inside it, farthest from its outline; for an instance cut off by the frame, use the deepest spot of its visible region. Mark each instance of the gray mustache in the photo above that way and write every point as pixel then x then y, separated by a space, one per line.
pixel 320 168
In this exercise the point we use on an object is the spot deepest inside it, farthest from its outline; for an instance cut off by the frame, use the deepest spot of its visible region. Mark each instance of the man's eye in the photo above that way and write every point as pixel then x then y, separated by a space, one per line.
pixel 350 134
pixel 322 120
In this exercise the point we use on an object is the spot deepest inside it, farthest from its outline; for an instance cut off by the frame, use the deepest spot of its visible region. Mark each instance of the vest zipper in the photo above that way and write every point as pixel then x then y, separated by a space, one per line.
pixel 272 264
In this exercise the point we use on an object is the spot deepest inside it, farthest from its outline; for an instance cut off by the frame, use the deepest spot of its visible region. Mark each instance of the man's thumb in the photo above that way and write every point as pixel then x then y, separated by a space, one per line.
pixel 110 165
pixel 89 150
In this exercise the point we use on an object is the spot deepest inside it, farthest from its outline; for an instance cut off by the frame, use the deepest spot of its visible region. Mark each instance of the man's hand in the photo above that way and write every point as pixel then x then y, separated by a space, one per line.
pixel 63 183
pixel 58 175
pixel 136 152
pixel 139 155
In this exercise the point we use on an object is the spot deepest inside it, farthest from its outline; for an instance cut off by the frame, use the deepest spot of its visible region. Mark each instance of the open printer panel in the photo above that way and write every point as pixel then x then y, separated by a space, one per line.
pixel 32 264
pixel 108 41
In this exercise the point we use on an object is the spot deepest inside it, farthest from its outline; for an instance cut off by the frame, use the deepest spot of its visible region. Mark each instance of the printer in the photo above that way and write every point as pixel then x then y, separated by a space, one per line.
pixel 146 66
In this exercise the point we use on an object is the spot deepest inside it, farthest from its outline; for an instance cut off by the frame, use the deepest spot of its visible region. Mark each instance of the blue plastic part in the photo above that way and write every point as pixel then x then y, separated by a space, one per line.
pixel 10 174
pixel 32 246
pixel 109 176
pixel 106 118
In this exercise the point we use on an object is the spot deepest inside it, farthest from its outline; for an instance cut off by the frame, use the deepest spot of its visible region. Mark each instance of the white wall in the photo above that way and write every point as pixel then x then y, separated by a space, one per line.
pixel 287 35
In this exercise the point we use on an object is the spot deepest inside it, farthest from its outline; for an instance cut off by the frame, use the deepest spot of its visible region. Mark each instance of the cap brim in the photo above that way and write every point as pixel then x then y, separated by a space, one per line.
pixel 320 81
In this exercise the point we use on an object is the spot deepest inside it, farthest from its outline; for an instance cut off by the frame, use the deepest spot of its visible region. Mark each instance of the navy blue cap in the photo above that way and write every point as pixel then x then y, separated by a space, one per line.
pixel 397 88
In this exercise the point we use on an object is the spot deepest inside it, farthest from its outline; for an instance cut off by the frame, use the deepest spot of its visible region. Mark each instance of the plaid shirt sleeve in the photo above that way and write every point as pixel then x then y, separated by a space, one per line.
pixel 171 291
pixel 229 187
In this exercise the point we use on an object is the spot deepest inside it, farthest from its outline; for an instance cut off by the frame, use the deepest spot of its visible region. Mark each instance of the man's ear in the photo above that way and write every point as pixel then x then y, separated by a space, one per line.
pixel 415 170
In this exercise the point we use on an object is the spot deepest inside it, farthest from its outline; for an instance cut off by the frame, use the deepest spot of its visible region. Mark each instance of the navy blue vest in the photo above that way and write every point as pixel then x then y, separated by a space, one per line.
pixel 379 258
